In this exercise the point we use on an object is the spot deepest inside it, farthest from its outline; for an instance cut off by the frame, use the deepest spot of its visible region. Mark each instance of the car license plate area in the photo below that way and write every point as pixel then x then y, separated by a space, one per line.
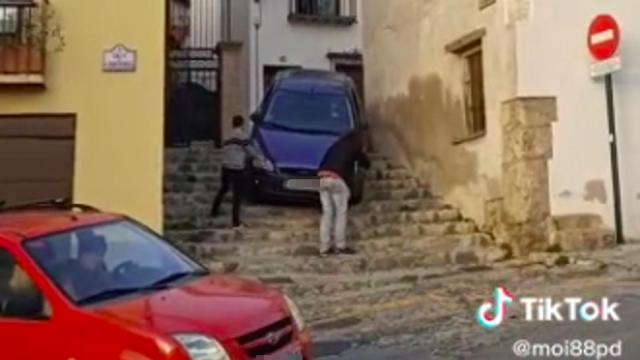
pixel 311 184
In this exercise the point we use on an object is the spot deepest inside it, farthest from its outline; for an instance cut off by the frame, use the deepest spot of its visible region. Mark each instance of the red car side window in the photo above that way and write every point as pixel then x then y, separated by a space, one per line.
pixel 20 298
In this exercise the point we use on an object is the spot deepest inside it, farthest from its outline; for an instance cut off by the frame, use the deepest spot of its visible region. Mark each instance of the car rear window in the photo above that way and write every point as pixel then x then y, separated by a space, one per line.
pixel 307 111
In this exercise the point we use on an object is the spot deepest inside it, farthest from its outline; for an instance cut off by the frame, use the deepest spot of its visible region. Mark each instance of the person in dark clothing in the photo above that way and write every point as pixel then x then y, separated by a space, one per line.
pixel 7 269
pixel 88 274
pixel 236 153
pixel 336 181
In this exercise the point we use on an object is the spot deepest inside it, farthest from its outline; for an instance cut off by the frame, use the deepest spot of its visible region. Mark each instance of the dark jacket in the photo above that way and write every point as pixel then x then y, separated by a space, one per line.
pixel 343 156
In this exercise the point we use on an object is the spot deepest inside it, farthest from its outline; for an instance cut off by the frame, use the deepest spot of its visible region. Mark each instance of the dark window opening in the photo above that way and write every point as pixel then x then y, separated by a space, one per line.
pixel 474 97
pixel 20 298
pixel 318 7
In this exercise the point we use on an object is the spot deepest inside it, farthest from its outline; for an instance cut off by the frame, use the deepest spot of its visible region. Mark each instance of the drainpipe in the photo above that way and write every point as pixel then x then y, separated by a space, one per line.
pixel 257 23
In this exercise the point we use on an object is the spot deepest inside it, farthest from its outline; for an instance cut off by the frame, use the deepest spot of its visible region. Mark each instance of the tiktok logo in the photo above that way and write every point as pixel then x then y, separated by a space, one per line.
pixel 492 313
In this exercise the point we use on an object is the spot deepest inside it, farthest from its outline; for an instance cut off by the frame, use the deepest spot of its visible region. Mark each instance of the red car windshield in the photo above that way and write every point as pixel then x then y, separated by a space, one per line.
pixel 99 263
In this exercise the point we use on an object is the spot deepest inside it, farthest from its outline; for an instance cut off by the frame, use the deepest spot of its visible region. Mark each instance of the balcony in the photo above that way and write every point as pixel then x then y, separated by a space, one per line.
pixel 23 35
pixel 324 12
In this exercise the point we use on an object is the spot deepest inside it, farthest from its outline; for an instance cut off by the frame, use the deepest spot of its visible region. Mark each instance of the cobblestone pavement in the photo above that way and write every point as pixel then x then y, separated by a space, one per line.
pixel 450 332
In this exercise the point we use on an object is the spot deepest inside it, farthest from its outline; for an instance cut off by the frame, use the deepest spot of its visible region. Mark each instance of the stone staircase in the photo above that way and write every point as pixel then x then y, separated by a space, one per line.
pixel 404 236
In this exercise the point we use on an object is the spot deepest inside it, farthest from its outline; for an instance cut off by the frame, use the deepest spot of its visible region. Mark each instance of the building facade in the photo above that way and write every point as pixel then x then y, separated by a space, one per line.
pixel 314 34
pixel 492 100
pixel 82 115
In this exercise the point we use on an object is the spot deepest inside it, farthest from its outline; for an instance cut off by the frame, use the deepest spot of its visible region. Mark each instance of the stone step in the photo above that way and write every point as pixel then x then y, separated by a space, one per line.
pixel 198 205
pixel 397 194
pixel 394 184
pixel 383 163
pixel 212 176
pixel 376 156
pixel 179 168
pixel 360 263
pixel 355 232
pixel 395 174
pixel 309 219
pixel 181 178
pixel 204 192
pixel 179 209
pixel 384 206
pixel 209 182
pixel 383 245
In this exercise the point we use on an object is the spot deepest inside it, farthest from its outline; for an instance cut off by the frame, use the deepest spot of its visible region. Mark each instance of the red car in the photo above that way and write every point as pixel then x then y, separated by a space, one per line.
pixel 78 284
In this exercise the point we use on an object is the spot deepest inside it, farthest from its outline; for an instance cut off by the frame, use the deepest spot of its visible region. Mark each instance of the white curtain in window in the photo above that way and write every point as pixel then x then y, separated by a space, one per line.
pixel 327 7
pixel 8 19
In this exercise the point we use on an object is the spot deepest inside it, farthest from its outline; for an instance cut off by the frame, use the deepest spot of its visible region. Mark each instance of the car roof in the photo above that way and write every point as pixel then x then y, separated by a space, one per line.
pixel 318 81
pixel 24 225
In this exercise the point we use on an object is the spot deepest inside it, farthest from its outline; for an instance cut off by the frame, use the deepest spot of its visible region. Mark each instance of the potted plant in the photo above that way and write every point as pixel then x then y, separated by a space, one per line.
pixel 23 50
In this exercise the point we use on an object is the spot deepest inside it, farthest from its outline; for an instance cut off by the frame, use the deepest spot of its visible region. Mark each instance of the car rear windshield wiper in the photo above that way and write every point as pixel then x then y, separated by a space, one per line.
pixel 177 276
pixel 307 131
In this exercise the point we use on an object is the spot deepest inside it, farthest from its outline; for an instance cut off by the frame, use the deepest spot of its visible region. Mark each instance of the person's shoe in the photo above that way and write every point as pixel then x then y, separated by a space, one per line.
pixel 346 251
pixel 327 253
pixel 240 226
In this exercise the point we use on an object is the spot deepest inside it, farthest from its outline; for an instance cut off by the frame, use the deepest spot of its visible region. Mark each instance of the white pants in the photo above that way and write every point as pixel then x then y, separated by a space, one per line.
pixel 334 195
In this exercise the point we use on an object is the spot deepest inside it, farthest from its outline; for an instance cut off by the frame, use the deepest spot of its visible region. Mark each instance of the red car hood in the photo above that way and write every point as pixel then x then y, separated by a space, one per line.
pixel 222 307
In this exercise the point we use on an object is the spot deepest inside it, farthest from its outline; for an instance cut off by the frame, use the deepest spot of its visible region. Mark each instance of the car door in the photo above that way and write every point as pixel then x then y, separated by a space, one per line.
pixel 27 327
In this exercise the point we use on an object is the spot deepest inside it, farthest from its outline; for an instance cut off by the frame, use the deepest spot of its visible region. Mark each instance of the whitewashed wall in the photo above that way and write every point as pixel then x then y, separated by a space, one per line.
pixel 283 43
pixel 205 23
pixel 553 60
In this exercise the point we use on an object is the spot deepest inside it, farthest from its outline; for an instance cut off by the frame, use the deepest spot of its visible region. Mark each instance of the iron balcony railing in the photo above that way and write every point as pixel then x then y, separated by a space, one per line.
pixel 23 36
pixel 339 12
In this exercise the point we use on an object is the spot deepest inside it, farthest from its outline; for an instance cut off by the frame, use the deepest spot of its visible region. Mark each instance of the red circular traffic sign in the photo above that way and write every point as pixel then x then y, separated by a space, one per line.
pixel 604 37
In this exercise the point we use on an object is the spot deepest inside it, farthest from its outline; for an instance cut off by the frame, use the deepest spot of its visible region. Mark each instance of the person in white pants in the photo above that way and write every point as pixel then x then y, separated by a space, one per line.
pixel 334 196
pixel 336 175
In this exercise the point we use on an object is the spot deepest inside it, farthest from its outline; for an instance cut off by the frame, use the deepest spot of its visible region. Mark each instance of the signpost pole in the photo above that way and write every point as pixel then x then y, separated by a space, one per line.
pixel 611 114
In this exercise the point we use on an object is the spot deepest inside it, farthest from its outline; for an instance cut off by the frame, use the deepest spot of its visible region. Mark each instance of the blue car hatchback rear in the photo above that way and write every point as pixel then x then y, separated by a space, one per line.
pixel 302 115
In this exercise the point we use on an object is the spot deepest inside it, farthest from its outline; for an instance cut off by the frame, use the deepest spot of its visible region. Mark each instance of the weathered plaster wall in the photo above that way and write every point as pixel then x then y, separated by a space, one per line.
pixel 553 60
pixel 414 92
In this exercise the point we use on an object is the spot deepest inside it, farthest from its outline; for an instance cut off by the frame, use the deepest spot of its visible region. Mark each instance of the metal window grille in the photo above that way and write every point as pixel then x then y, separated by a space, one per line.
pixel 324 8
pixel 22 36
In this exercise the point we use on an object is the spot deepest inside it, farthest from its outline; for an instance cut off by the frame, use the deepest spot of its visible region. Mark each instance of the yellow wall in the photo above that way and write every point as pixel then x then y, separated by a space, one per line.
pixel 119 136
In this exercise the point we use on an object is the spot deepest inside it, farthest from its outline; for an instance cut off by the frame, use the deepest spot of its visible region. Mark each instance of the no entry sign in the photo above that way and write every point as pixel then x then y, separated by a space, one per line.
pixel 604 37
pixel 603 42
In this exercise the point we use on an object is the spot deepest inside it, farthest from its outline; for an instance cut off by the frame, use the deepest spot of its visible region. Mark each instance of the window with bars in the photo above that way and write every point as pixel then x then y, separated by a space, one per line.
pixel 9 20
pixel 474 97
pixel 318 7
pixel 339 12
pixel 23 39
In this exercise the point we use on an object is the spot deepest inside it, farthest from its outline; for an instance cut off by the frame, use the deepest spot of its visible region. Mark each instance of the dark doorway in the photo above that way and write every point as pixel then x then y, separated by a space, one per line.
pixel 356 73
pixel 270 72
pixel 193 108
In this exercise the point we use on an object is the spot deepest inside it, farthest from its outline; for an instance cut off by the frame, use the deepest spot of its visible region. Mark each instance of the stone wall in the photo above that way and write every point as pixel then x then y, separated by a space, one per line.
pixel 527 148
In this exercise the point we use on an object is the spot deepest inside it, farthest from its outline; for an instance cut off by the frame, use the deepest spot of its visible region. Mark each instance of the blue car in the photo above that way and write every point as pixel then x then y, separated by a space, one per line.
pixel 302 115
